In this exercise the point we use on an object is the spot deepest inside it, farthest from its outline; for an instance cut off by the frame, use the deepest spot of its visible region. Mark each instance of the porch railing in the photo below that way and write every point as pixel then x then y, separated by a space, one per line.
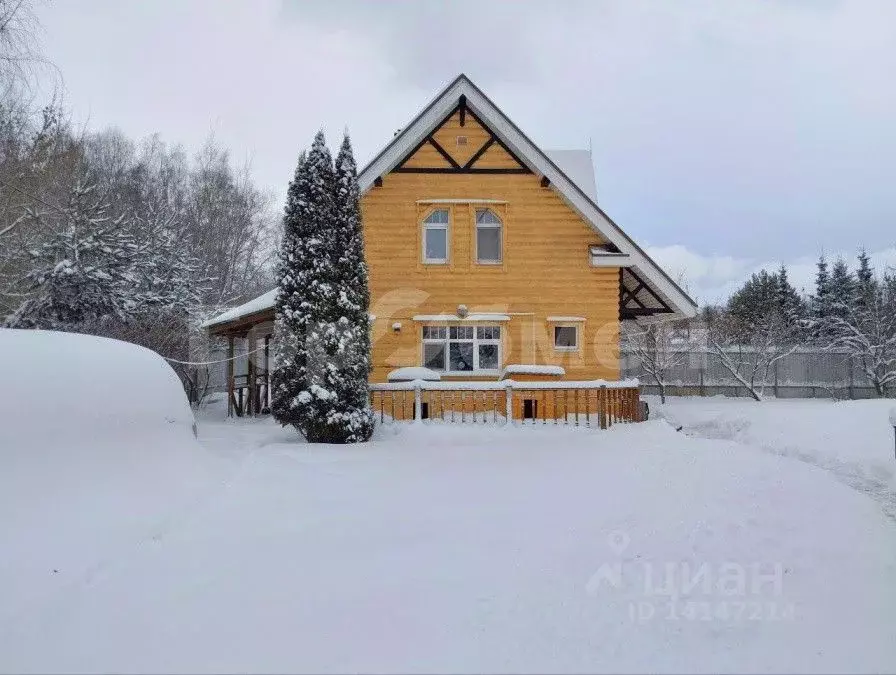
pixel 248 394
pixel 594 403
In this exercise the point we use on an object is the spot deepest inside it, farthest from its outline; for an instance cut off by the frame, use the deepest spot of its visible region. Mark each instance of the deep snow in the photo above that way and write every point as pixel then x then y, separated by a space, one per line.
pixel 853 440
pixel 464 548
pixel 97 455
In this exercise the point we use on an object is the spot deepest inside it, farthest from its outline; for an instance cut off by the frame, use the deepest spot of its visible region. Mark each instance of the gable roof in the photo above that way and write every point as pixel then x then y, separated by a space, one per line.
pixel 540 163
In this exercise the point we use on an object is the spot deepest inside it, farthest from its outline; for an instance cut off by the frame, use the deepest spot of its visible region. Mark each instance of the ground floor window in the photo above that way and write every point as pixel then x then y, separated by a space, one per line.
pixel 566 338
pixel 462 349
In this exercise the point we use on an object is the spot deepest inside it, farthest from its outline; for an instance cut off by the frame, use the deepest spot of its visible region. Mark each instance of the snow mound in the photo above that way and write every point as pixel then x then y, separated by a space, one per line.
pixel 83 388
pixel 97 456
pixel 411 373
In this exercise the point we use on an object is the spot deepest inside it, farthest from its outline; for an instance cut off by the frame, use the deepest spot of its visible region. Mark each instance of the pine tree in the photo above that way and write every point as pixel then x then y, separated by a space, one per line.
pixel 866 285
pixel 841 289
pixel 789 303
pixel 322 303
pixel 84 272
pixel 821 300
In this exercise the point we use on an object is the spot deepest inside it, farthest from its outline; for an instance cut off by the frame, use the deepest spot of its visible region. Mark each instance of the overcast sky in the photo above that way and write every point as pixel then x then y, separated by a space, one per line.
pixel 726 135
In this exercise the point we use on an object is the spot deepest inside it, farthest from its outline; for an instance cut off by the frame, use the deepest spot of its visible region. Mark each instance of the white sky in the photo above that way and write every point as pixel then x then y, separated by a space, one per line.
pixel 726 135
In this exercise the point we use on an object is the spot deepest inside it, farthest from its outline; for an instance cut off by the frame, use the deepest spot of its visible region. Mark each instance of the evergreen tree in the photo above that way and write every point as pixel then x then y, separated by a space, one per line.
pixel 759 298
pixel 352 349
pixel 84 272
pixel 821 300
pixel 788 300
pixel 322 303
pixel 866 285
pixel 841 289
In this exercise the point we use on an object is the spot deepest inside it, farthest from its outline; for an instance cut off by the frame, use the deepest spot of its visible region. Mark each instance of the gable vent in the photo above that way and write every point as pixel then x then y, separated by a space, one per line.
pixel 461 140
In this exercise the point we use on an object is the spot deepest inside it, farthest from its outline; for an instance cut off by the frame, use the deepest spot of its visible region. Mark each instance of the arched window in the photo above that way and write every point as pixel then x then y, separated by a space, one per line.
pixel 489 240
pixel 435 237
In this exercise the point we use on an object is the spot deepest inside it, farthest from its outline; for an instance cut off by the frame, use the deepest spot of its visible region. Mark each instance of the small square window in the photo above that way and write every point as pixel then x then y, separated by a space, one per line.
pixel 461 332
pixel 566 338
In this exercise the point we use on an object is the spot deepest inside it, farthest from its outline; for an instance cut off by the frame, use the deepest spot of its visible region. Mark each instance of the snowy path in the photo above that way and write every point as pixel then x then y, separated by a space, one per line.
pixel 852 440
pixel 468 549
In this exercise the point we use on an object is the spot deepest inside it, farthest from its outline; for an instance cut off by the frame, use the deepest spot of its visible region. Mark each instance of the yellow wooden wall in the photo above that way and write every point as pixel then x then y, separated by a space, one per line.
pixel 545 272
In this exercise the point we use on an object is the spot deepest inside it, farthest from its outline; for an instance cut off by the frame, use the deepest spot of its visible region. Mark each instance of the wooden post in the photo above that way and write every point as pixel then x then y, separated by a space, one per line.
pixel 230 376
pixel 267 371
pixel 250 375
pixel 602 406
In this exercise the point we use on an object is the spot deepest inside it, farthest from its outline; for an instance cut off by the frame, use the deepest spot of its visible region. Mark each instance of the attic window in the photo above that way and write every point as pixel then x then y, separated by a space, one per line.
pixel 461 140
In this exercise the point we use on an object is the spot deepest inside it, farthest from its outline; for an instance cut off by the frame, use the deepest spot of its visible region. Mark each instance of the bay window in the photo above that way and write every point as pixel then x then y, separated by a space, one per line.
pixel 462 349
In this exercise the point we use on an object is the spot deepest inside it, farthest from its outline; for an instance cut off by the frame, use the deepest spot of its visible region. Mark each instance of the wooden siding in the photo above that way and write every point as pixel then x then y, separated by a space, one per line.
pixel 545 271
pixel 427 156
pixel 447 134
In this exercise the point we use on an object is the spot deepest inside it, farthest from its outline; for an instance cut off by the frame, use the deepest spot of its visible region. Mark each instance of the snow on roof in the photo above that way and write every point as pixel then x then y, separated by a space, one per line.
pixel 259 304
pixel 410 373
pixel 578 167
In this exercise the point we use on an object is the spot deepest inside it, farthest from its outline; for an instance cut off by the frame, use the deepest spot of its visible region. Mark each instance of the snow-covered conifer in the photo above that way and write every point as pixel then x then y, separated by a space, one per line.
pixel 322 324
pixel 83 272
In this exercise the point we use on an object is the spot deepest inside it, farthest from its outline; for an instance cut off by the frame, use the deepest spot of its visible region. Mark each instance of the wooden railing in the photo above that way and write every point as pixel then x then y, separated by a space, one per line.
pixel 590 403
pixel 245 398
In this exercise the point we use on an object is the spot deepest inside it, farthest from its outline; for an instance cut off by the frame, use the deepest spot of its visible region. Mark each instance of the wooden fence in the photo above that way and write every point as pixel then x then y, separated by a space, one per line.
pixel 592 404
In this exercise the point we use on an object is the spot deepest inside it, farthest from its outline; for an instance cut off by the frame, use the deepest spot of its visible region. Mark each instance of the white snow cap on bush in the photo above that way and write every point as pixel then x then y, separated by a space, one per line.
pixel 413 373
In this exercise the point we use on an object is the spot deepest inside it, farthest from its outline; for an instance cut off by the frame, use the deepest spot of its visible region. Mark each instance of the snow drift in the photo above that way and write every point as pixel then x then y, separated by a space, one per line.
pixel 96 450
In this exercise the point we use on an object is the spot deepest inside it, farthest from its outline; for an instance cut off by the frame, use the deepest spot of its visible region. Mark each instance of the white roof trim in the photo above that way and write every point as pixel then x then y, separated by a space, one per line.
pixel 611 260
pixel 461 201
pixel 539 162
pixel 453 317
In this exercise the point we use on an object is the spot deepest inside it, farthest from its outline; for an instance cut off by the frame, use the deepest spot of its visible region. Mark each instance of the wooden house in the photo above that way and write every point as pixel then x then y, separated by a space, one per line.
pixel 487 253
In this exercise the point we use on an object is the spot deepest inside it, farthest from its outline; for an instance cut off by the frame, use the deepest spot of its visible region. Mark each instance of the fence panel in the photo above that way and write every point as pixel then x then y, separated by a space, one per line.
pixel 802 374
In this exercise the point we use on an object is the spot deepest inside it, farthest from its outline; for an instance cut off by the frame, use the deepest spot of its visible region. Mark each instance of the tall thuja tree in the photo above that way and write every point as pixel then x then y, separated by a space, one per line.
pixel 351 412
pixel 320 310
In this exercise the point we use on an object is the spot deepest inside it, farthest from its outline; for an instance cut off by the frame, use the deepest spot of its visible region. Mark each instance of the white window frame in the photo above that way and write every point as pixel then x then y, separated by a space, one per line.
pixel 446 227
pixel 476 341
pixel 563 348
pixel 499 226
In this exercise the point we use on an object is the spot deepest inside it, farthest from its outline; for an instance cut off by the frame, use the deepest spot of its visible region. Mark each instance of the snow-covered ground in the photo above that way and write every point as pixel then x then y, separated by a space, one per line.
pixel 853 440
pixel 452 548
